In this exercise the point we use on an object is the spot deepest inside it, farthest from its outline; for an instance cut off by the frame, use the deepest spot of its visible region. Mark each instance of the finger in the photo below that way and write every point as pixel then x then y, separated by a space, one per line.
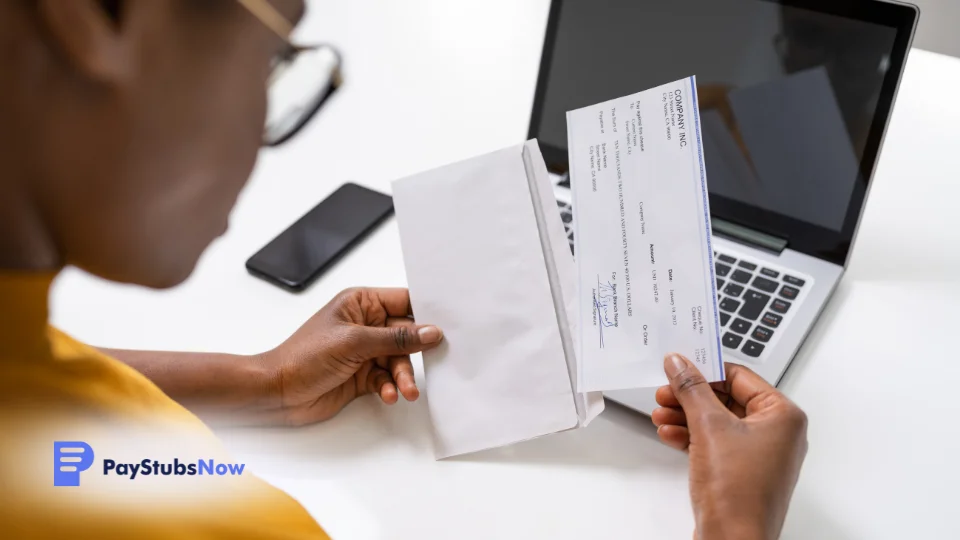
pixel 396 302
pixel 691 389
pixel 400 321
pixel 393 322
pixel 674 436
pixel 388 394
pixel 665 397
pixel 399 340
pixel 402 371
pixel 745 386
pixel 379 382
pixel 668 416
pixel 737 409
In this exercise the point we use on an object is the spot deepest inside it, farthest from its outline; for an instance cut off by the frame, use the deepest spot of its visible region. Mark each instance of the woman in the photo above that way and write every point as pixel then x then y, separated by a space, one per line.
pixel 129 129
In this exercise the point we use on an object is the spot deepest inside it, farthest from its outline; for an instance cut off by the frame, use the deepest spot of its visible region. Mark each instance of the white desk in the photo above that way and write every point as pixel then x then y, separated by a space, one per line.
pixel 877 377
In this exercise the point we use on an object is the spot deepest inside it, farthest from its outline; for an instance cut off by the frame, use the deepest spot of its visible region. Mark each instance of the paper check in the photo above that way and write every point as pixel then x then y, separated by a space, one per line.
pixel 642 233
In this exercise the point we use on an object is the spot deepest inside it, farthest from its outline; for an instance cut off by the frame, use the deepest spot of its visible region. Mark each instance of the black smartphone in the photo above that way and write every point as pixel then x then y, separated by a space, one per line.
pixel 316 241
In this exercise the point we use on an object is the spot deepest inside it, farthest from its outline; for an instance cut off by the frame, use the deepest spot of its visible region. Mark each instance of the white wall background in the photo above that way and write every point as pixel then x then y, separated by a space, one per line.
pixel 939 28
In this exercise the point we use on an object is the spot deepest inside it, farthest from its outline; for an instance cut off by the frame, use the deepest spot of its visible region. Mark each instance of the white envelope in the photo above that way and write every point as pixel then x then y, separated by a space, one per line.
pixel 487 260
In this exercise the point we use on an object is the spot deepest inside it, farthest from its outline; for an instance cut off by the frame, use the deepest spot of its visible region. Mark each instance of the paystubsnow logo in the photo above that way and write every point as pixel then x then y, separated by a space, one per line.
pixel 72 458
pixel 149 467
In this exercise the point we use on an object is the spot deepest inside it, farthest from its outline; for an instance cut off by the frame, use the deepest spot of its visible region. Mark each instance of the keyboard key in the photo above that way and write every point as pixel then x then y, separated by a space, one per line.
pixel 720 283
pixel 731 341
pixel 788 292
pixel 741 277
pixel 753 304
pixel 762 334
pixel 733 290
pixel 741 326
pixel 770 273
pixel 748 265
pixel 566 217
pixel 753 349
pixel 563 205
pixel 772 319
pixel 780 306
pixel 571 237
pixel 765 284
pixel 722 270
pixel 724 318
pixel 797 282
pixel 727 259
pixel 729 304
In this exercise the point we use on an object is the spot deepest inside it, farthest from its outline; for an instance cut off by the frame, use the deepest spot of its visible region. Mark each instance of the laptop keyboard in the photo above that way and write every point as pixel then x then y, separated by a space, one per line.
pixel 756 299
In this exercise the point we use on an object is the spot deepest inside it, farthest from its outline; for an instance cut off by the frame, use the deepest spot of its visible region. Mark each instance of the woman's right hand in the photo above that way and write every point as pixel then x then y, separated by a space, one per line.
pixel 746 442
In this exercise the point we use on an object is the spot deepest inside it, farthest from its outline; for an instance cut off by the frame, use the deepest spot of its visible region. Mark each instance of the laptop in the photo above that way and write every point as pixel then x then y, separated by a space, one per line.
pixel 795 98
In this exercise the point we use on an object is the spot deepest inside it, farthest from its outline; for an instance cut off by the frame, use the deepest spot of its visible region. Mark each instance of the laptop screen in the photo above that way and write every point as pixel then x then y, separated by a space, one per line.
pixel 789 96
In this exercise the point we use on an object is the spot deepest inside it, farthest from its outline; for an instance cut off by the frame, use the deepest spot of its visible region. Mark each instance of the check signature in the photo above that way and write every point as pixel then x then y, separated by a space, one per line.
pixel 602 300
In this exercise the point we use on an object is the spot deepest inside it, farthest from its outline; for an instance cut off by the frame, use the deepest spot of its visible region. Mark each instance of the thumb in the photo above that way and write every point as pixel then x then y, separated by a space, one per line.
pixel 691 389
pixel 398 340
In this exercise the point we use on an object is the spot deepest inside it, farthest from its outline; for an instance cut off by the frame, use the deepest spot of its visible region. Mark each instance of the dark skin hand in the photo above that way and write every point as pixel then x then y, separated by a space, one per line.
pixel 358 344
pixel 746 442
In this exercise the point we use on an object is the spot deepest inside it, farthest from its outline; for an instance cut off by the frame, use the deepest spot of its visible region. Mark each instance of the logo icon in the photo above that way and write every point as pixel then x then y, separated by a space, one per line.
pixel 69 460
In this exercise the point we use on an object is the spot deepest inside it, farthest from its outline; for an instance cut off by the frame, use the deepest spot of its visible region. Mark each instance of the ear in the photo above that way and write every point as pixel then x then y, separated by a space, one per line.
pixel 89 37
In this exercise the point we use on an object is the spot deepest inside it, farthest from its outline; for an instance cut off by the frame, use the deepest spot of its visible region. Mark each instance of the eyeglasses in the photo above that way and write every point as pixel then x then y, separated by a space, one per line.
pixel 302 77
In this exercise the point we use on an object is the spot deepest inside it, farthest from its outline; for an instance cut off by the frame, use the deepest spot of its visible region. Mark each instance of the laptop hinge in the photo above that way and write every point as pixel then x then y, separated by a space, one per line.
pixel 747 236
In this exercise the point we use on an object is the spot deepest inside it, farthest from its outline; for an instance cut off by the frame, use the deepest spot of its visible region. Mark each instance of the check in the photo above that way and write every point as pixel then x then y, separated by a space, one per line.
pixel 643 244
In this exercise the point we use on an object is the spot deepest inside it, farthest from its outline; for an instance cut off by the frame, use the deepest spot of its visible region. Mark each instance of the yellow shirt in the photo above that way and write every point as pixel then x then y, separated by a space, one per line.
pixel 53 388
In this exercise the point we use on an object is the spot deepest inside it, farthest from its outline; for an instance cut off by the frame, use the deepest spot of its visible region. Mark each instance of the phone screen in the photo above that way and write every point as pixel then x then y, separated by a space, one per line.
pixel 315 241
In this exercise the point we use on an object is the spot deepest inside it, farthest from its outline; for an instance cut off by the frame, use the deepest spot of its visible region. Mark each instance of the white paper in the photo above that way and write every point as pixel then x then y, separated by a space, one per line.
pixel 484 268
pixel 643 239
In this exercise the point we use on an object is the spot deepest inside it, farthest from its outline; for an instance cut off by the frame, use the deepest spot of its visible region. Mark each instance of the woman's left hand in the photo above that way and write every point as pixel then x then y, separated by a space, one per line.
pixel 360 343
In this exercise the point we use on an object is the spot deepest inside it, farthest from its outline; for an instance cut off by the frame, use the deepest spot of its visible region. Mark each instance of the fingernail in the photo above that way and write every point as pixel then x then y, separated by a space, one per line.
pixel 429 334
pixel 674 365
